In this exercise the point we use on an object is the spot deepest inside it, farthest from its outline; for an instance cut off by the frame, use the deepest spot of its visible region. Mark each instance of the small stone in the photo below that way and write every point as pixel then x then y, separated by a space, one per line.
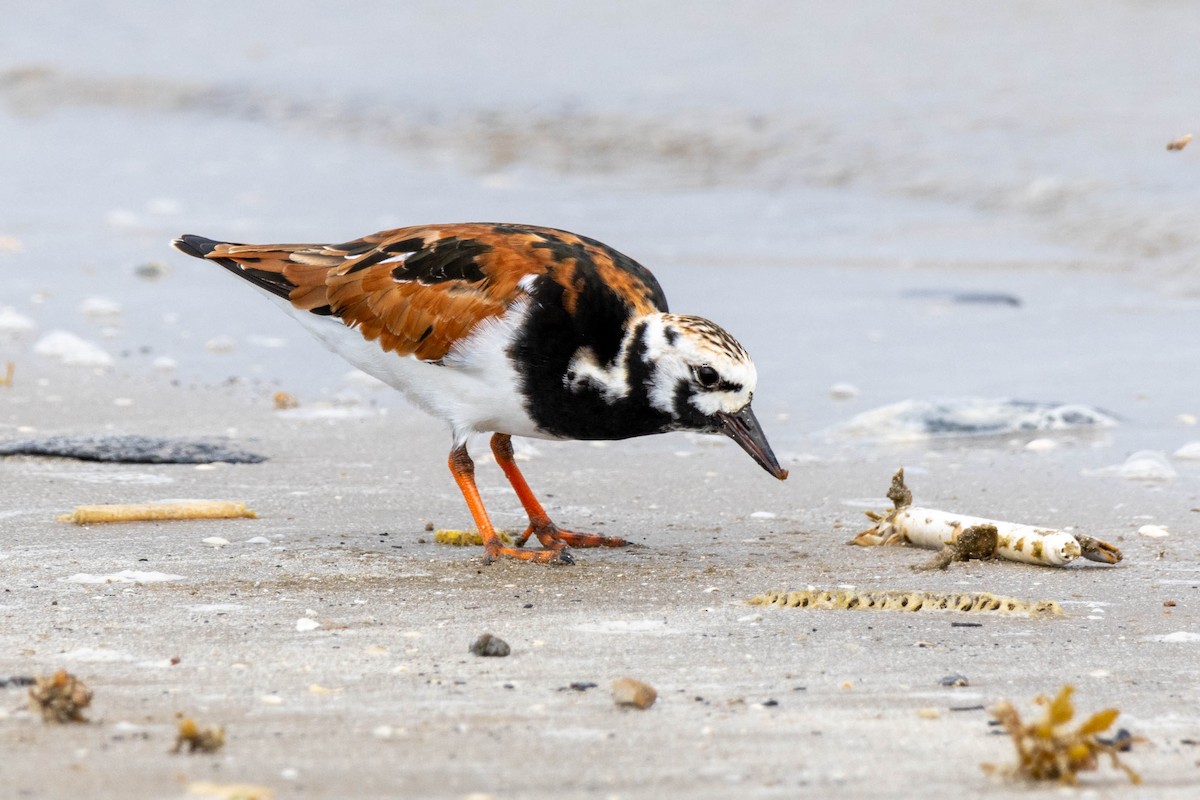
pixel 490 646
pixel 631 693
pixel 1153 531
pixel 221 344
pixel 215 541
pixel 307 624
pixel 151 270
pixel 955 680
pixel 928 713
pixel 843 391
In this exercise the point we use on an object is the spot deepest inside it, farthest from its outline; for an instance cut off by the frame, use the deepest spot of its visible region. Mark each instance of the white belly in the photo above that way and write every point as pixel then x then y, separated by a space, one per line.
pixel 475 389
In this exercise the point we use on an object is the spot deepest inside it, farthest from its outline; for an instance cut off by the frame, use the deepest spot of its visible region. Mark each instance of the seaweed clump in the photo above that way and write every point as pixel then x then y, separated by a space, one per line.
pixel 1047 750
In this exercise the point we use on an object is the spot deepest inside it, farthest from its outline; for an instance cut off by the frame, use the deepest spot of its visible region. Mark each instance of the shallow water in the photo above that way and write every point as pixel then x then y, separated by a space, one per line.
pixel 821 182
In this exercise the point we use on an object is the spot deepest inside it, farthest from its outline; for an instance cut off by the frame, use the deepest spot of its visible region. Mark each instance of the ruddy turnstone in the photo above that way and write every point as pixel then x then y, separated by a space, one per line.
pixel 512 330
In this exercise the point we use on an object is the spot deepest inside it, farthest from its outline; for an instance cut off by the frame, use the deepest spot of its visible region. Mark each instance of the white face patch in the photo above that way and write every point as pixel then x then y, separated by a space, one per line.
pixel 677 346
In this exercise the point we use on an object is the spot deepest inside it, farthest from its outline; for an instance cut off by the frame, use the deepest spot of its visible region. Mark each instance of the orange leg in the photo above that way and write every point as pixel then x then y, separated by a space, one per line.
pixel 549 534
pixel 463 469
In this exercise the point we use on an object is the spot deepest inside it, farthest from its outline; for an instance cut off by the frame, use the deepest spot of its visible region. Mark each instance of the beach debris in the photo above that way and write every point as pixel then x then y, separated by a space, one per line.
pixel 13 681
pixel 956 680
pixel 283 401
pixel 60 698
pixel 893 600
pixel 490 646
pixel 632 693
pixel 147 512
pixel 1048 751
pixel 966 298
pixel 9 369
pixel 457 538
pixel 151 270
pixel 843 391
pixel 929 527
pixel 915 420
pixel 198 739
pixel 1154 531
pixel 306 624
pixel 229 791
pixel 1180 143
pixel 72 350
pixel 124 449
pixel 578 686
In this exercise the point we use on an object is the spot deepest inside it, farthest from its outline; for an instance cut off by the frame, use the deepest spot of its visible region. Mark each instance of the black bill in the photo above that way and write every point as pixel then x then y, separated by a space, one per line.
pixel 744 429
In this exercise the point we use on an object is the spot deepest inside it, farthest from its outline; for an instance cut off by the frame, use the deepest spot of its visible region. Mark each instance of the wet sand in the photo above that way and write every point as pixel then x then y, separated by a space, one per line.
pixel 383 699
pixel 828 186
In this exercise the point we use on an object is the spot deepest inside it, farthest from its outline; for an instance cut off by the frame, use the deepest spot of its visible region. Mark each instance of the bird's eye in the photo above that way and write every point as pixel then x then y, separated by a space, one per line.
pixel 707 376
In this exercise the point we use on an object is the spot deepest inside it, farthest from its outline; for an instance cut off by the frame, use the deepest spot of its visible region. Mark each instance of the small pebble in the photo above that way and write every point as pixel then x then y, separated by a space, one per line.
pixel 763 515
pixel 843 391
pixel 151 270
pixel 215 541
pixel 955 680
pixel 99 308
pixel 221 344
pixel 1041 445
pixel 307 624
pixel 1153 531
pixel 928 713
pixel 631 693
pixel 490 646
pixel 383 732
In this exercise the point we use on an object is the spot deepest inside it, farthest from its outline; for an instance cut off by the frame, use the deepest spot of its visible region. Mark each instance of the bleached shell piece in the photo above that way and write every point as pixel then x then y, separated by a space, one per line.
pixel 928 527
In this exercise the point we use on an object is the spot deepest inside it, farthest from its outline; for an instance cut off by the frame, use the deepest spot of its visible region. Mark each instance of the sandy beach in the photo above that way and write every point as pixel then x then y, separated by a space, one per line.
pixel 936 236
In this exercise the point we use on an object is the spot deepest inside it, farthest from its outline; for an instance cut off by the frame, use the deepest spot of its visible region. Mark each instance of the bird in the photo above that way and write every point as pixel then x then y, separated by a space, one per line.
pixel 512 330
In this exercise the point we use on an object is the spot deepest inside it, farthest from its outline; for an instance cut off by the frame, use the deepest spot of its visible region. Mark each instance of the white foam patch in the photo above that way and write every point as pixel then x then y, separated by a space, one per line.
pixel 1189 452
pixel 1144 465
pixel 12 324
pixel 96 655
pixel 656 626
pixel 215 608
pixel 72 350
pixel 915 420
pixel 1178 637
pixel 115 476
pixel 328 412
pixel 124 576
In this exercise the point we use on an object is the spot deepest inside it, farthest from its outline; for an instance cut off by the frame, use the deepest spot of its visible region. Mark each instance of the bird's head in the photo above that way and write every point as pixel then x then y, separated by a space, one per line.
pixel 705 380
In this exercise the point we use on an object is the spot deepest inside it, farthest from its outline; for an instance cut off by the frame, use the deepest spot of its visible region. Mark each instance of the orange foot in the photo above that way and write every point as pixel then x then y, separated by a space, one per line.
pixel 552 536
pixel 492 551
